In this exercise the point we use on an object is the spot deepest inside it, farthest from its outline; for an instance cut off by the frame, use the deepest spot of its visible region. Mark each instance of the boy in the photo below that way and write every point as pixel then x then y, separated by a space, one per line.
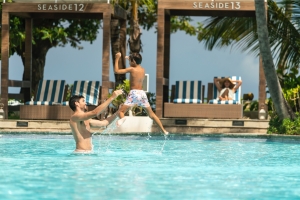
pixel 137 95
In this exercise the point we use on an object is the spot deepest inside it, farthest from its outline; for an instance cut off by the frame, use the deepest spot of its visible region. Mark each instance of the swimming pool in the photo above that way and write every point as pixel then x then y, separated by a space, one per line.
pixel 148 167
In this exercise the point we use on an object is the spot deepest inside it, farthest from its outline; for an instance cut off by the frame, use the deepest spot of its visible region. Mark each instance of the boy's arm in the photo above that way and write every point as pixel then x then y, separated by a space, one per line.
pixel 116 67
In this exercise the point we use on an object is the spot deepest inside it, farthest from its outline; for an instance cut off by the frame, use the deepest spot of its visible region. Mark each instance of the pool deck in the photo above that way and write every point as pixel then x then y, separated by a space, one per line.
pixel 179 125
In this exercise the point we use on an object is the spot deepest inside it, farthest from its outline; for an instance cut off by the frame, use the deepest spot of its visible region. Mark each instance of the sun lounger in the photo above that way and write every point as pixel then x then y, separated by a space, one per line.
pixel 89 89
pixel 188 92
pixel 49 95
pixel 61 111
pixel 201 110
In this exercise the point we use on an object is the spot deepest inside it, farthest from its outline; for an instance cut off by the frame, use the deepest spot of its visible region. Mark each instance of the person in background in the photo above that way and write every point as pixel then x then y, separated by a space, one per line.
pixel 227 88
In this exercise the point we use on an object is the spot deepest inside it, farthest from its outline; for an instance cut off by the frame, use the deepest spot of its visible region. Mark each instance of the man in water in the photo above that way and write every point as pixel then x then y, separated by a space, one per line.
pixel 81 121
pixel 137 95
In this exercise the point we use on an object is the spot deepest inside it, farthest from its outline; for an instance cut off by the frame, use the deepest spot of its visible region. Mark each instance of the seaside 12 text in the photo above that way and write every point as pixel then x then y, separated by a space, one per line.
pixel 66 7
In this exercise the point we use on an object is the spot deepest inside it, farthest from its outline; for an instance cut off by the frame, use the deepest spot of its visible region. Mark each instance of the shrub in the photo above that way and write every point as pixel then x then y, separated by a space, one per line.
pixel 285 126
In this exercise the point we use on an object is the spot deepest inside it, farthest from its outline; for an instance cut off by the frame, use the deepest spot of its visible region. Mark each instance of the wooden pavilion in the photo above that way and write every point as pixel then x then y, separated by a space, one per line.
pixel 168 8
pixel 30 9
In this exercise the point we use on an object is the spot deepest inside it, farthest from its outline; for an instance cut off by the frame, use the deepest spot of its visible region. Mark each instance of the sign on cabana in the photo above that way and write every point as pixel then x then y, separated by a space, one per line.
pixel 232 5
pixel 63 7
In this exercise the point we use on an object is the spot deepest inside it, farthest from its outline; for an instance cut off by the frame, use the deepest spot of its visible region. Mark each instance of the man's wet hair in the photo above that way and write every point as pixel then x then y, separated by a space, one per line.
pixel 136 57
pixel 73 99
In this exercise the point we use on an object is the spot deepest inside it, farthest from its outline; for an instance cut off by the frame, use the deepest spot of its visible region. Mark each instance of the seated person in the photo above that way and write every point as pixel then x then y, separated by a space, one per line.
pixel 227 88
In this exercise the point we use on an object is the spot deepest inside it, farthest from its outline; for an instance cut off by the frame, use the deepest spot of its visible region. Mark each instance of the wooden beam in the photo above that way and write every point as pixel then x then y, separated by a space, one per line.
pixel 212 13
pixel 4 61
pixel 220 5
pixel 17 83
pixel 119 12
pixel 22 15
pixel 79 8
pixel 68 15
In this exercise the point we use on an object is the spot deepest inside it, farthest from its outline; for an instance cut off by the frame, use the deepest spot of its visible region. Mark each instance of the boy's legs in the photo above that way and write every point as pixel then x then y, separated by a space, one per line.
pixel 152 115
pixel 122 112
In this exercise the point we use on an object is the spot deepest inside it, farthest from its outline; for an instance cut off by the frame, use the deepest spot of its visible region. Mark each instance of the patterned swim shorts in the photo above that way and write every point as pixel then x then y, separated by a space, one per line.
pixel 137 97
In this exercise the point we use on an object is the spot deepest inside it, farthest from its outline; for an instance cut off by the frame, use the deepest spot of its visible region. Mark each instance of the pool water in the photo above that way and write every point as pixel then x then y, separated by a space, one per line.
pixel 148 167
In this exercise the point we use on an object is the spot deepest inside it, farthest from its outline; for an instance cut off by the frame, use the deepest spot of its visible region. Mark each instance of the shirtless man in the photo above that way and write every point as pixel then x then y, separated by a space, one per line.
pixel 81 121
pixel 137 95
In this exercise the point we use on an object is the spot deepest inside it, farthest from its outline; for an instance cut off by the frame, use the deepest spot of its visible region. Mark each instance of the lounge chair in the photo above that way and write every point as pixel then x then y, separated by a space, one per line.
pixel 89 89
pixel 200 110
pixel 61 111
pixel 50 94
pixel 187 99
pixel 188 92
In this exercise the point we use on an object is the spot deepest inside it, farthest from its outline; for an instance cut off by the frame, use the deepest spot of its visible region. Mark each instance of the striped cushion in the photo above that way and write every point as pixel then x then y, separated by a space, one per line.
pixel 49 92
pixel 48 103
pixel 237 96
pixel 188 92
pixel 89 89
pixel 216 101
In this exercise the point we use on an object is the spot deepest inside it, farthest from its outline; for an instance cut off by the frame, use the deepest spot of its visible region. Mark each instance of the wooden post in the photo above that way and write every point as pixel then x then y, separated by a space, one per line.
pixel 105 55
pixel 160 61
pixel 4 61
pixel 28 58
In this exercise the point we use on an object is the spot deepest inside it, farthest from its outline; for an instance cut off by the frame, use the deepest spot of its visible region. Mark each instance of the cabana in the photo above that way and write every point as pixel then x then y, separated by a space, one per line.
pixel 54 9
pixel 168 8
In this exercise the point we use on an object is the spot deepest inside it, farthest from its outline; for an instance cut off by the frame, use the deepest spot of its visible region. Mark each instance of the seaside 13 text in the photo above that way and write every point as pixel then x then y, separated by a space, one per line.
pixel 217 5
pixel 66 7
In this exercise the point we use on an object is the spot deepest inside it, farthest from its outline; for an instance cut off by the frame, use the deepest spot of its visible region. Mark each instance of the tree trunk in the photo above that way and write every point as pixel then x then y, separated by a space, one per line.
pixel 282 108
pixel 134 41
pixel 39 52
pixel 115 48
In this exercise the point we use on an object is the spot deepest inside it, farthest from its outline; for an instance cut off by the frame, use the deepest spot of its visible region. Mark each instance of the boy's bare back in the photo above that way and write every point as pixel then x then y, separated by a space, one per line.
pixel 137 76
pixel 137 72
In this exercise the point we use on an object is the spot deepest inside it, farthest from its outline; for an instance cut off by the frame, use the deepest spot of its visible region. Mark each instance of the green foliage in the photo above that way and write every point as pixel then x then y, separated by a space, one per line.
pixel 241 32
pixel 290 82
pixel 13 115
pixel 68 96
pixel 250 106
pixel 285 126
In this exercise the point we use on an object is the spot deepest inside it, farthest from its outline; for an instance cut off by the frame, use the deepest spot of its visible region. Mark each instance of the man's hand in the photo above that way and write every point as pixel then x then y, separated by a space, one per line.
pixel 118 55
pixel 116 93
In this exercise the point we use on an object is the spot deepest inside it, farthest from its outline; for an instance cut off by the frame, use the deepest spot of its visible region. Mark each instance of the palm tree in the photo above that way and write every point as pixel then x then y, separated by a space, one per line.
pixel 240 32
pixel 282 108
pixel 142 13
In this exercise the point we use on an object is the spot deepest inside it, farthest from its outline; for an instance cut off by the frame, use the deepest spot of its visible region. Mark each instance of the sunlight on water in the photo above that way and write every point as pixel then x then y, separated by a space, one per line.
pixel 149 166
pixel 105 138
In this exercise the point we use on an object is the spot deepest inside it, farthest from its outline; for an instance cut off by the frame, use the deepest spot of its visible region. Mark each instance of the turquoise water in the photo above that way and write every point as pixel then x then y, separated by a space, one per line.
pixel 148 167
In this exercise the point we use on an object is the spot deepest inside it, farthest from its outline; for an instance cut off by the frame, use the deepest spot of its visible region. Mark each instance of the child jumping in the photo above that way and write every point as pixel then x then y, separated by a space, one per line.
pixel 137 95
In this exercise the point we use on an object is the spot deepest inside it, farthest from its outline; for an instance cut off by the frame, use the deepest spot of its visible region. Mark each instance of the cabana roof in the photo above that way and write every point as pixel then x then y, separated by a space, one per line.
pixel 168 8
pixel 55 9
